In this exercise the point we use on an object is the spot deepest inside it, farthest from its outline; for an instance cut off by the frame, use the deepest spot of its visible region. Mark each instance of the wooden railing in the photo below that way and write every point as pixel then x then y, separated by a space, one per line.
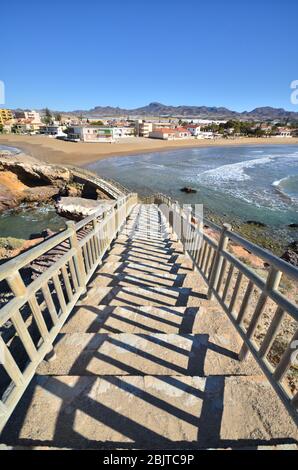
pixel 37 310
pixel 244 295
pixel 112 188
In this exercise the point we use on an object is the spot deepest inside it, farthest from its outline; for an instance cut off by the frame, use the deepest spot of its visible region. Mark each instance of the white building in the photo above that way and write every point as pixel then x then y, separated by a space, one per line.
pixel 164 134
pixel 194 129
pixel 32 115
pixel 169 133
pixel 52 130
pixel 143 128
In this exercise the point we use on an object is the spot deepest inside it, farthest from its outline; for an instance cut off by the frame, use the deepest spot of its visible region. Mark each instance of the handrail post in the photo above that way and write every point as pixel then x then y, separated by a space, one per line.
pixel 74 243
pixel 218 260
pixel 116 218
pixel 272 283
pixel 19 289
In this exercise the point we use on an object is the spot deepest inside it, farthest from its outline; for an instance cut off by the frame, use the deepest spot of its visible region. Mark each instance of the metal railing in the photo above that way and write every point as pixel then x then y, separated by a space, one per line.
pixel 243 293
pixel 37 311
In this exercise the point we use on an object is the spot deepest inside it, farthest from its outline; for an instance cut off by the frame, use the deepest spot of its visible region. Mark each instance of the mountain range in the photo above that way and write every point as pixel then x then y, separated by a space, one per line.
pixel 203 112
pixel 266 113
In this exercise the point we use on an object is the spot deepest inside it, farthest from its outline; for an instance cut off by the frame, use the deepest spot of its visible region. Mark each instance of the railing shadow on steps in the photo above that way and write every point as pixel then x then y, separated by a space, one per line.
pixel 50 297
pixel 234 285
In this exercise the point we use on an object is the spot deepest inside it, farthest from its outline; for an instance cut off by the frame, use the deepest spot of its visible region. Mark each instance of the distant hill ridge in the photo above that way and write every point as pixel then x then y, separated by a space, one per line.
pixel 203 112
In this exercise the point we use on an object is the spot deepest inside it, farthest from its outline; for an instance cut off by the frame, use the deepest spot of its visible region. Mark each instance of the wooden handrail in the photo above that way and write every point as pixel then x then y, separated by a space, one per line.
pixel 224 273
pixel 50 298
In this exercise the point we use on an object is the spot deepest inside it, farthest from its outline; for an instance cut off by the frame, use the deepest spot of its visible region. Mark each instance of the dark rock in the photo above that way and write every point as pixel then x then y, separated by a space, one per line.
pixel 44 234
pixel 293 225
pixel 291 254
pixel 188 190
pixel 256 222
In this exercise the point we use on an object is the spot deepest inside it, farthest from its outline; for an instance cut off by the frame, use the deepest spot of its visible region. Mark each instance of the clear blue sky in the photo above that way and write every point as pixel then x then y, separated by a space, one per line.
pixel 78 54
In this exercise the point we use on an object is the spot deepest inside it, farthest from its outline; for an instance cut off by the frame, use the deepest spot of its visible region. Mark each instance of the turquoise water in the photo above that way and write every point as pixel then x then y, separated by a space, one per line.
pixel 24 221
pixel 252 182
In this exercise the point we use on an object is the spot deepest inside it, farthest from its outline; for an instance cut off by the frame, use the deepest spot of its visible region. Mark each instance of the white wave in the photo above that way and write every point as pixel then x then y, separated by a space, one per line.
pixel 277 182
pixel 233 171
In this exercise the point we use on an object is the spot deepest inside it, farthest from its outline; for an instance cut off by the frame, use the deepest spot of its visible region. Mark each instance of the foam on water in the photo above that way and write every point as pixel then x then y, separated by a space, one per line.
pixel 229 180
pixel 232 172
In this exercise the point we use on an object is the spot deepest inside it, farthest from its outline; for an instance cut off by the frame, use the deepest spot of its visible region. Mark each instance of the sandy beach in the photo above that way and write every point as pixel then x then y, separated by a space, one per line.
pixel 80 153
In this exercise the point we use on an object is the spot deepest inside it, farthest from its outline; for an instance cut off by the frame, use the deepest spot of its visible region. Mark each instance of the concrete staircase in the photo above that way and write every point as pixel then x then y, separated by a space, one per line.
pixel 146 361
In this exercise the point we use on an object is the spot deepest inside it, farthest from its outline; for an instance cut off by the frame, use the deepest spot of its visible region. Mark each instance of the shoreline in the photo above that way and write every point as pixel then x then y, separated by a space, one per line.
pixel 80 153
pixel 49 150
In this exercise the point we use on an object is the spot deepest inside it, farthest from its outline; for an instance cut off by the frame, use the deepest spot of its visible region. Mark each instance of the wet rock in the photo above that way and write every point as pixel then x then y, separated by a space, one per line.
pixel 293 225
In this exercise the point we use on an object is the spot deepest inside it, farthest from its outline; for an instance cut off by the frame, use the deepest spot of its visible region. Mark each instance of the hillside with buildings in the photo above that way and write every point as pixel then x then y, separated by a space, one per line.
pixel 79 127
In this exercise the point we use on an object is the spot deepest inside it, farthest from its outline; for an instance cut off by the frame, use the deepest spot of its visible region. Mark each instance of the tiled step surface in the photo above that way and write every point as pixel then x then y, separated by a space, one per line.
pixel 167 412
pixel 146 361
pixel 144 354
pixel 135 295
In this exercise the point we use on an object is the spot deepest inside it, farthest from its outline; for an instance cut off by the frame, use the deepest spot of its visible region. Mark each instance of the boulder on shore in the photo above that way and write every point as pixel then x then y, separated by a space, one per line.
pixel 77 208
pixel 255 222
pixel 291 254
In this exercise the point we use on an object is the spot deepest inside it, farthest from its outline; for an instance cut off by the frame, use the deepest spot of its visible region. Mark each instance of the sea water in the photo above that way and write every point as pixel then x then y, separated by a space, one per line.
pixel 247 182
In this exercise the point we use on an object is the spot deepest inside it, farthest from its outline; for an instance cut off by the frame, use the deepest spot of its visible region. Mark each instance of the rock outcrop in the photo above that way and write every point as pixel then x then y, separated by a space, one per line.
pixel 24 179
pixel 76 208
pixel 291 254
pixel 37 174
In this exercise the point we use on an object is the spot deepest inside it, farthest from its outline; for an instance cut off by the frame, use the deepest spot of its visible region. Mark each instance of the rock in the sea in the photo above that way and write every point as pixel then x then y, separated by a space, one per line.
pixel 291 253
pixel 77 208
pixel 188 190
pixel 293 225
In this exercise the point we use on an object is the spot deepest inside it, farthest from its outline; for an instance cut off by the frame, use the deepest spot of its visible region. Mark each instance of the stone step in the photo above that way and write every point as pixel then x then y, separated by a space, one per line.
pixel 161 271
pixel 165 412
pixel 143 354
pixel 145 295
pixel 105 319
pixel 135 277
pixel 140 258
pixel 125 252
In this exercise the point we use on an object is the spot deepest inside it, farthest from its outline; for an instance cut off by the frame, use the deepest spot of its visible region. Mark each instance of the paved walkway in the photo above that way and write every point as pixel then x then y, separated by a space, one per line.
pixel 146 361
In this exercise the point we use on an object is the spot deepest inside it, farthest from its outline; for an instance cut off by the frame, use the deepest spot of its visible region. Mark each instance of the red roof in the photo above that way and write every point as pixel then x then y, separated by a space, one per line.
pixel 181 129
pixel 165 130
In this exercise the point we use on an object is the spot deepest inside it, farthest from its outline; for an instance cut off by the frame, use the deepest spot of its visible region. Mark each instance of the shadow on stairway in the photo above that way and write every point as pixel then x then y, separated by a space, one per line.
pixel 77 407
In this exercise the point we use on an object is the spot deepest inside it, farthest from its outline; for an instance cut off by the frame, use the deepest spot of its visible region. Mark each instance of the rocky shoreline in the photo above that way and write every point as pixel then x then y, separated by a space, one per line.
pixel 28 183
pixel 25 180
pixel 276 240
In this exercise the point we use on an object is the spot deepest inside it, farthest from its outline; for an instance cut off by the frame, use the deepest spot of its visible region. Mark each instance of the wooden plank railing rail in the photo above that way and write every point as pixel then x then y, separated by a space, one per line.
pixel 239 289
pixel 49 299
